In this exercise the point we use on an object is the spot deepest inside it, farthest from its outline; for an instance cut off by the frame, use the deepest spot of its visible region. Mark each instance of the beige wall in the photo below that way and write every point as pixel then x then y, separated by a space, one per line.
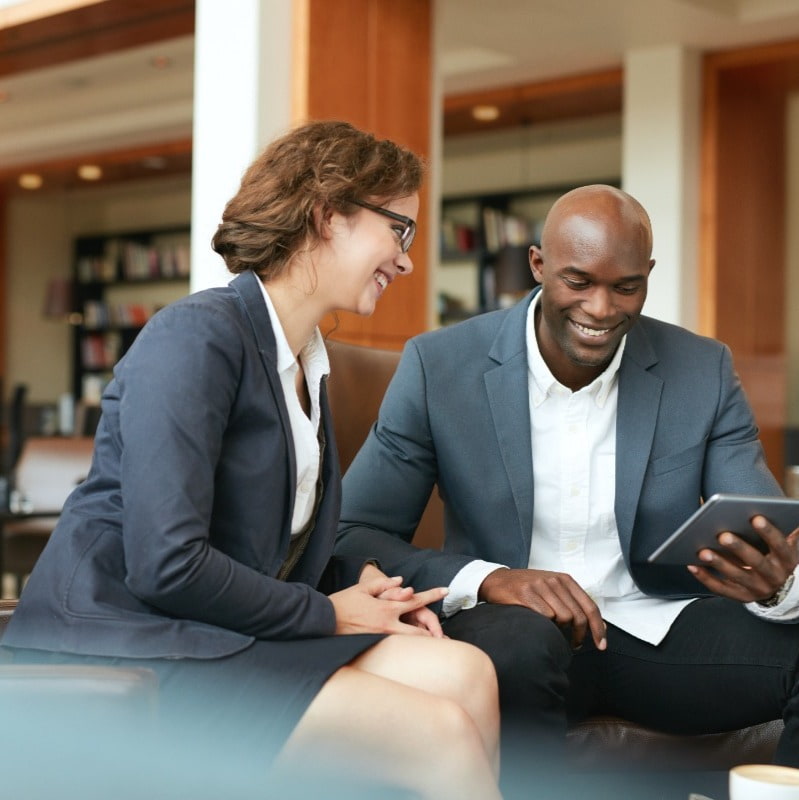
pixel 41 229
pixel 566 153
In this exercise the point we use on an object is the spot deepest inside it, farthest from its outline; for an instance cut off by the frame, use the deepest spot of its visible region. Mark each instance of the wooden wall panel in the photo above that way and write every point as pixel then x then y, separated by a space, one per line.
pixel 90 31
pixel 751 211
pixel 369 62
pixel 743 240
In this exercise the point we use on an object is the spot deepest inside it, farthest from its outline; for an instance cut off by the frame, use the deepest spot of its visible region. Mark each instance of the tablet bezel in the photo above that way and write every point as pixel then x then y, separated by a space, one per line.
pixel 725 512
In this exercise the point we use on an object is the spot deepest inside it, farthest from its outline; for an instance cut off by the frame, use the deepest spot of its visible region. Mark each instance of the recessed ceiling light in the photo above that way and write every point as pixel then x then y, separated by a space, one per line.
pixel 90 172
pixel 485 113
pixel 30 180
pixel 161 62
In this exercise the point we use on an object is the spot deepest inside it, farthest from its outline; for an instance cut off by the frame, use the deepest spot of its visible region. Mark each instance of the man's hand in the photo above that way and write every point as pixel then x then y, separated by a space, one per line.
pixel 741 572
pixel 379 604
pixel 553 594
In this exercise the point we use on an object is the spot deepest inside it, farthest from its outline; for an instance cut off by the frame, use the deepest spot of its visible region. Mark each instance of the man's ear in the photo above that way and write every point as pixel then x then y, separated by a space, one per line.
pixel 651 264
pixel 536 263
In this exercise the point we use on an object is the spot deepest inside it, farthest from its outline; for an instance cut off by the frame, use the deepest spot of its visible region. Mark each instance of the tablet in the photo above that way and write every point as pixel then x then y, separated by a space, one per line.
pixel 725 512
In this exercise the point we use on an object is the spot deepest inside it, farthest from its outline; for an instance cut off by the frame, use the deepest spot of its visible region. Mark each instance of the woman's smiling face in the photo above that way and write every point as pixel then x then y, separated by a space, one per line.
pixel 367 252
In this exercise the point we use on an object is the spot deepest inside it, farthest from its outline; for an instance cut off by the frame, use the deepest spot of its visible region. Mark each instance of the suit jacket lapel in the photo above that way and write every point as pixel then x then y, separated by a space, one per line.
pixel 636 418
pixel 246 286
pixel 507 389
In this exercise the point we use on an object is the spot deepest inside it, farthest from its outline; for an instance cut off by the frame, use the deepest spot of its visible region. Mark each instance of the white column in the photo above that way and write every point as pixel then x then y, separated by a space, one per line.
pixel 242 100
pixel 660 167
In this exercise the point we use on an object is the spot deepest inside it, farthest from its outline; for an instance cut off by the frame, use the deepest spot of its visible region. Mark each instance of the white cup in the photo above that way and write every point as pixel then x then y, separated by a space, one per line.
pixel 764 782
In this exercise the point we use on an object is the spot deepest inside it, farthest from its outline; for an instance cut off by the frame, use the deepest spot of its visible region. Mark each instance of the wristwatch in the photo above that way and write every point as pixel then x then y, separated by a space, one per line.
pixel 779 595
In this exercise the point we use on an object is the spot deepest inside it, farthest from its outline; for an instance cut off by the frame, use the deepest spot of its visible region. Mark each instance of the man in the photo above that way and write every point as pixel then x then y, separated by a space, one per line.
pixel 569 437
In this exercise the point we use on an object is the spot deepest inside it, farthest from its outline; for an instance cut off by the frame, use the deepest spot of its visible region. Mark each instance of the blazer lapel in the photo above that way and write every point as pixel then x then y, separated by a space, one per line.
pixel 636 418
pixel 246 286
pixel 507 389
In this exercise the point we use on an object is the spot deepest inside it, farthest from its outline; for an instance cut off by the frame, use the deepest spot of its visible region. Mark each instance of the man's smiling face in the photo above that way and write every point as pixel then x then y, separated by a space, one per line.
pixel 593 266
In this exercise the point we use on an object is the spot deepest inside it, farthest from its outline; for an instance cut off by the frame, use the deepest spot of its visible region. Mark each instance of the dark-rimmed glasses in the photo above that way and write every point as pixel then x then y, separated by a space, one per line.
pixel 404 233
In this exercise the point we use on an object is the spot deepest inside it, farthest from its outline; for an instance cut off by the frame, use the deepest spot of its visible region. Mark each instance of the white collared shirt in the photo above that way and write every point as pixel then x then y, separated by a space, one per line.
pixel 574 475
pixel 304 430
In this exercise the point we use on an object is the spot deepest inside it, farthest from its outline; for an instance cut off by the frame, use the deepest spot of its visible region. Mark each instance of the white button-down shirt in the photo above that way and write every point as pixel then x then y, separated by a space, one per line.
pixel 304 430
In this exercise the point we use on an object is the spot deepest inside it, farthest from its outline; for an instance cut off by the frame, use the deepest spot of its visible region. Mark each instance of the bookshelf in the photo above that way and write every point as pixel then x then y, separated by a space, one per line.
pixel 484 240
pixel 120 281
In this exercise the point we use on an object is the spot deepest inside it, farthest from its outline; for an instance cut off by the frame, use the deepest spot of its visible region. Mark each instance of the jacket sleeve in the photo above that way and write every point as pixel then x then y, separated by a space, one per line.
pixel 388 484
pixel 734 459
pixel 178 386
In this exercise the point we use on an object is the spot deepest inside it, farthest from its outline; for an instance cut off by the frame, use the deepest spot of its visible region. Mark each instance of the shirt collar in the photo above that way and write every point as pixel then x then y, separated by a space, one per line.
pixel 314 353
pixel 544 383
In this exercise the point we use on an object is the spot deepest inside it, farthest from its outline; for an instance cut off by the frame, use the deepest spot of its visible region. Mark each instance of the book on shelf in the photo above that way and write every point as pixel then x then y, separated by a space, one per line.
pixel 457 237
pixel 93 386
pixel 100 350
pixel 98 315
pixel 502 229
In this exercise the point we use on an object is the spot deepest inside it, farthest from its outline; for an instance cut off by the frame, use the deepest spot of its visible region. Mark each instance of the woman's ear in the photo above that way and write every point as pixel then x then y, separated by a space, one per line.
pixel 323 216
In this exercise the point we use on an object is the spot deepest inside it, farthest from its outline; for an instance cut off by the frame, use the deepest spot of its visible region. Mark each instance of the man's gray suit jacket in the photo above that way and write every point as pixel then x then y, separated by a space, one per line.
pixel 457 414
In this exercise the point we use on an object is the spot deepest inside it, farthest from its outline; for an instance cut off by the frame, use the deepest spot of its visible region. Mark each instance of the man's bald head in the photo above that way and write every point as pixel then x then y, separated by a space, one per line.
pixel 600 206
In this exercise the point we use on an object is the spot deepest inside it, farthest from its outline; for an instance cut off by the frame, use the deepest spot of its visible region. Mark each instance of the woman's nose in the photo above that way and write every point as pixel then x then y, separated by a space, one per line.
pixel 404 264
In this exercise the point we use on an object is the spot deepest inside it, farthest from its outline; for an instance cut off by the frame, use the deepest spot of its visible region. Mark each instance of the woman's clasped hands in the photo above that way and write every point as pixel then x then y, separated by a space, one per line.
pixel 381 604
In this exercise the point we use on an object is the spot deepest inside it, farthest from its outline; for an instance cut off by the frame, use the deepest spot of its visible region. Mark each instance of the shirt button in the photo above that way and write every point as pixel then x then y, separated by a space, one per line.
pixel 575 492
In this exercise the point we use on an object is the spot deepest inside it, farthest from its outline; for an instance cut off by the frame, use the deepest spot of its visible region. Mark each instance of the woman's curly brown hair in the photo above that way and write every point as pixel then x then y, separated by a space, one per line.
pixel 299 178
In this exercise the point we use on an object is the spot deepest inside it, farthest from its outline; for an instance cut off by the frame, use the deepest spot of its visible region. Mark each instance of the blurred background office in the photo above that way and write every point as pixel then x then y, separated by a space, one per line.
pixel 125 126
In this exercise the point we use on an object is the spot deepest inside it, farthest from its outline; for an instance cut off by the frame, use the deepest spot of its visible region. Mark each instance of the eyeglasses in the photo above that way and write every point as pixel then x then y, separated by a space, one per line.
pixel 404 233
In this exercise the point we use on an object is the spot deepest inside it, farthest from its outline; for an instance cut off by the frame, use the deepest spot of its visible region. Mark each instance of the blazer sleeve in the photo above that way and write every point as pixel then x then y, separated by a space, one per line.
pixel 388 484
pixel 178 388
pixel 734 459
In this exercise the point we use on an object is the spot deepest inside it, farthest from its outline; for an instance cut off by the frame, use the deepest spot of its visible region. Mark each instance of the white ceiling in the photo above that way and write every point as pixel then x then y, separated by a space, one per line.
pixel 485 44
pixel 121 100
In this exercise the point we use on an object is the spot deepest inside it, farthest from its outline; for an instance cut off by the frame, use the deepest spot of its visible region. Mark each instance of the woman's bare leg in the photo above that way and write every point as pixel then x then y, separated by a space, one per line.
pixel 366 724
pixel 456 670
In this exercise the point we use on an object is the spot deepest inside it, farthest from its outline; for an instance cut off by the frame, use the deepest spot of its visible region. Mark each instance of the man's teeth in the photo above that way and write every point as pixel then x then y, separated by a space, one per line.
pixel 590 331
pixel 381 279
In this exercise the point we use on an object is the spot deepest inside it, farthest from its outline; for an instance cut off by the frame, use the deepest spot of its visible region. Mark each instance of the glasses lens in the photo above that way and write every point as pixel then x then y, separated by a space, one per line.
pixel 406 240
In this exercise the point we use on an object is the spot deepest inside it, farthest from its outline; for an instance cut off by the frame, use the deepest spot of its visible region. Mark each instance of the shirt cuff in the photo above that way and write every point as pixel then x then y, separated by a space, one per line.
pixel 786 611
pixel 465 585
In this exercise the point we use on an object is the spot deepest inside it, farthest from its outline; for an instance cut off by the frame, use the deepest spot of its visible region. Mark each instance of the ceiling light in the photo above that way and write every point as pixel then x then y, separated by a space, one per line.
pixel 90 172
pixel 485 113
pixel 30 180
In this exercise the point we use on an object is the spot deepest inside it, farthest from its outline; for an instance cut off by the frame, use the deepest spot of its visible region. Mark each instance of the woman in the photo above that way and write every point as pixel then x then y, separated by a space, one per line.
pixel 200 543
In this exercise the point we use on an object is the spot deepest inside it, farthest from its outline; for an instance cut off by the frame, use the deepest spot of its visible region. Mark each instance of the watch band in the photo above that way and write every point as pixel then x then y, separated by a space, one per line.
pixel 779 595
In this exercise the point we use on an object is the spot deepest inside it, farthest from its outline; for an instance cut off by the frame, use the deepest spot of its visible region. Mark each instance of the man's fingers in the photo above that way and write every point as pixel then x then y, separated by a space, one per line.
pixel 718 586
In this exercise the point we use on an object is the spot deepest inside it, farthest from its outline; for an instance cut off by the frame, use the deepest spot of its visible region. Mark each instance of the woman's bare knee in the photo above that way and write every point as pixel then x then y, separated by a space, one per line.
pixel 363 724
